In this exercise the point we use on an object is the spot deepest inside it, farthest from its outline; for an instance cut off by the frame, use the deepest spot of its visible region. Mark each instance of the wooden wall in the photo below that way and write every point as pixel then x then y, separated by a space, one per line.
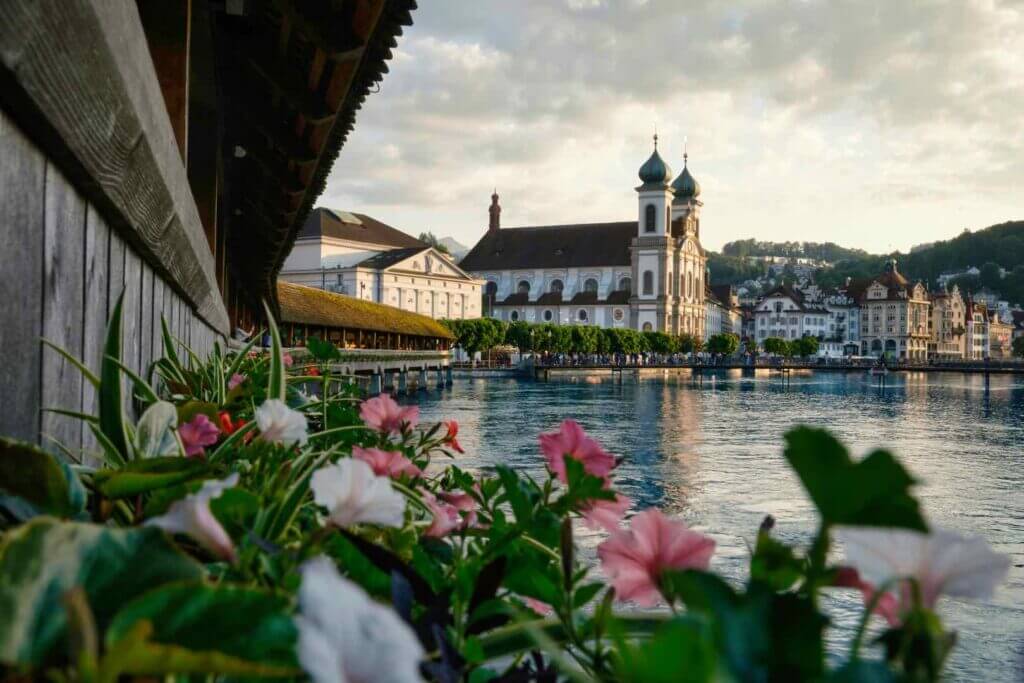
pixel 62 268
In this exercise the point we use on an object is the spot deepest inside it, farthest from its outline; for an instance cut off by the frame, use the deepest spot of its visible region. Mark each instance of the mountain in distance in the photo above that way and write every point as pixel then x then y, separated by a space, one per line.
pixel 454 247
pixel 998 251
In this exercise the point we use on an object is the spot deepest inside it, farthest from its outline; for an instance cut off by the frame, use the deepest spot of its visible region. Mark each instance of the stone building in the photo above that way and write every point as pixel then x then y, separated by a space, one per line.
pixel 354 254
pixel 783 313
pixel 977 338
pixel 948 325
pixel 647 274
pixel 894 315
pixel 1000 338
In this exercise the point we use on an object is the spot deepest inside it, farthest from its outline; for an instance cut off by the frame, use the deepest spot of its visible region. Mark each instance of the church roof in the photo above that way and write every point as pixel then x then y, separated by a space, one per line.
pixel 355 227
pixel 386 259
pixel 584 245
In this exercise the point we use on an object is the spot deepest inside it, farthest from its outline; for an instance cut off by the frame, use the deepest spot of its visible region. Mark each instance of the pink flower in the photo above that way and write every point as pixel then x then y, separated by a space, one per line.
pixel 539 607
pixel 235 381
pixel 606 514
pixel 286 358
pixel 570 440
pixel 449 438
pixel 943 562
pixel 386 463
pixel 634 559
pixel 386 416
pixel 198 433
pixel 887 605
pixel 446 517
pixel 192 516
pixel 464 503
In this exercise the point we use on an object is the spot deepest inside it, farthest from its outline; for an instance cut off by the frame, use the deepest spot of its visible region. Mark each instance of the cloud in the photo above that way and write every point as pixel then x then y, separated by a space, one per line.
pixel 876 124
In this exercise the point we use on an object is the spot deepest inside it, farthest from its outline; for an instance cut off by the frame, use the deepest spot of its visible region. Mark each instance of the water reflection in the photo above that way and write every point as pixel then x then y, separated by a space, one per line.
pixel 709 449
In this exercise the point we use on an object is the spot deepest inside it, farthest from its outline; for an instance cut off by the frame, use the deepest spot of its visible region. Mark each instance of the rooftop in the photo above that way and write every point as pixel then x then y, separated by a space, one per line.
pixel 583 245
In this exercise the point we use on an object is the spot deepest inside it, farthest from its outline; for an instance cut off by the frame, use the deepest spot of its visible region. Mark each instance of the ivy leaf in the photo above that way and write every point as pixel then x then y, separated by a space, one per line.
pixel 34 482
pixel 873 492
pixel 192 627
pixel 758 632
pixel 42 560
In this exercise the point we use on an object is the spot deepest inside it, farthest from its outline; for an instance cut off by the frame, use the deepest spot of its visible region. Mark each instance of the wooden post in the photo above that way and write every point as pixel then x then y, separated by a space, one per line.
pixel 167 24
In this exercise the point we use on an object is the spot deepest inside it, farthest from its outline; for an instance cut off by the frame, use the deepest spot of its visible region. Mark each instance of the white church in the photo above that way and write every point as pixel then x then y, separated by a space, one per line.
pixel 648 274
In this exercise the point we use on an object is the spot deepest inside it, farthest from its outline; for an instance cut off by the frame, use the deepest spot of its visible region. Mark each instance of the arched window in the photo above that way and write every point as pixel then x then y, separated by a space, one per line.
pixel 648 327
pixel 590 285
pixel 557 286
pixel 582 315
pixel 523 287
pixel 626 284
pixel 689 285
pixel 668 219
pixel 649 218
pixel 548 315
pixel 669 282
pixel 491 289
pixel 648 282
pixel 513 316
pixel 682 285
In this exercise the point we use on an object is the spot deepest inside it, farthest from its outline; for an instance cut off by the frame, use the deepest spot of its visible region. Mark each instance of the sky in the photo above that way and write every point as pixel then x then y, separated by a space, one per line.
pixel 877 124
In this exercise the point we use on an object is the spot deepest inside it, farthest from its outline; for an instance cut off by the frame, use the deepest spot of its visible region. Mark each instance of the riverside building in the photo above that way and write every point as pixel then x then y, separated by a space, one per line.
pixel 643 274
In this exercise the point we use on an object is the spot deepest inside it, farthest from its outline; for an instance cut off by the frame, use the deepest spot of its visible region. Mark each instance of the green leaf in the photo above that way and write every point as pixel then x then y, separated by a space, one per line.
pixel 235 509
pixel 170 353
pixel 322 350
pixel 42 560
pixel 192 627
pixel 872 492
pixel 759 632
pixel 680 651
pixel 33 476
pixel 775 564
pixel 276 385
pixel 143 476
pixel 111 400
pixel 154 434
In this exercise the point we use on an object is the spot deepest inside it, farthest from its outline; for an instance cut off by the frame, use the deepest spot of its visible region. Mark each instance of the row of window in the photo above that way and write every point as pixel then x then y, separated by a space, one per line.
pixel 581 315
pixel 557 286
pixel 688 285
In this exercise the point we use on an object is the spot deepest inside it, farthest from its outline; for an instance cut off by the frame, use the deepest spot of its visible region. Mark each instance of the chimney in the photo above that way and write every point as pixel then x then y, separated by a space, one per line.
pixel 495 211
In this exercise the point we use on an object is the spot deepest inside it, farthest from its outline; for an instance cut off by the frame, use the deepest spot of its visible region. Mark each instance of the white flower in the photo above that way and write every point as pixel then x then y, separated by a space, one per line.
pixel 942 562
pixel 280 424
pixel 353 494
pixel 346 637
pixel 192 516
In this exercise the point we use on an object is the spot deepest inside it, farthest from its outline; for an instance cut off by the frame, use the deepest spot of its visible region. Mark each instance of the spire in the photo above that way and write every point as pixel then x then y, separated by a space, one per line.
pixel 495 212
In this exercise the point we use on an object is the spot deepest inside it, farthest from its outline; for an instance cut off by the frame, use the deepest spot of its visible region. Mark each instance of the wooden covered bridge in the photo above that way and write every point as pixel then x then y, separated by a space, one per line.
pixel 167 149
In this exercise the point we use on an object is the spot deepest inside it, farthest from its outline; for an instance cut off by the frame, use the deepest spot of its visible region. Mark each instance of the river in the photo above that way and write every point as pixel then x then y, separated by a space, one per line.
pixel 711 453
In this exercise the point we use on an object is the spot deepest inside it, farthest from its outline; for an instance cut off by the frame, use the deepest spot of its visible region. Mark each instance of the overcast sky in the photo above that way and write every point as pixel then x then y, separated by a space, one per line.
pixel 872 124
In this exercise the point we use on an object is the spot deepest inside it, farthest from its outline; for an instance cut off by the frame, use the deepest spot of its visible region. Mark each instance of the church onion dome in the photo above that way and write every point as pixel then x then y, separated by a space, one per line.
pixel 686 186
pixel 655 171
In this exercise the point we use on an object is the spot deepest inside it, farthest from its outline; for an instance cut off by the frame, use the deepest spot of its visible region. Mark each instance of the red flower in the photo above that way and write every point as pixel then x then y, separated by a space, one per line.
pixel 229 427
pixel 449 438
pixel 313 371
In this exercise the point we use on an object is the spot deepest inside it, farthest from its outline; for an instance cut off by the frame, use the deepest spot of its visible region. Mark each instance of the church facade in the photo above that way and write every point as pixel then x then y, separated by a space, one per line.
pixel 648 274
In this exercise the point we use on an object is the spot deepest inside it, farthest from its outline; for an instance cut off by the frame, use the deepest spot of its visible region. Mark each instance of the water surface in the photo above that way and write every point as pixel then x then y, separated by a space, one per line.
pixel 712 454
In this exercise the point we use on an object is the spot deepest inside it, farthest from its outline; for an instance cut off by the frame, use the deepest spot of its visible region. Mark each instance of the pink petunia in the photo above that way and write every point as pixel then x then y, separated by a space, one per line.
pixel 634 559
pixel 449 438
pixel 287 359
pixel 606 514
pixel 384 415
pixel 464 503
pixel 446 517
pixel 196 434
pixel 887 605
pixel 386 463
pixel 571 441
pixel 539 607
pixel 235 381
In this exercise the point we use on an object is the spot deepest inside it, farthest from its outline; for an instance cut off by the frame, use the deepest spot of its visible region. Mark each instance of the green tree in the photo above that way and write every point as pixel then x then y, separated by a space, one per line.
pixel 431 239
pixel 585 338
pixel 659 342
pixel 990 276
pixel 774 345
pixel 725 343
pixel 520 335
pixel 1018 347
pixel 688 343
pixel 804 346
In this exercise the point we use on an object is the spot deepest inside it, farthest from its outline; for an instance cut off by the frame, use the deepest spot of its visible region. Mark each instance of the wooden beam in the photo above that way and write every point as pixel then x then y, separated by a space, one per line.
pixel 167 24
pixel 90 98
pixel 335 43
pixel 283 81
pixel 204 153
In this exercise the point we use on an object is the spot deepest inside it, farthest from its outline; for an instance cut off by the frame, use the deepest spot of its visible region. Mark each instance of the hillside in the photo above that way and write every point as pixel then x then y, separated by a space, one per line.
pixel 994 247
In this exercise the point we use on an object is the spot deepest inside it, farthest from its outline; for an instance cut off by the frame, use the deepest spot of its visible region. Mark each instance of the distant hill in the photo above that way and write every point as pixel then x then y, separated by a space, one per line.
pixel 455 248
pixel 989 249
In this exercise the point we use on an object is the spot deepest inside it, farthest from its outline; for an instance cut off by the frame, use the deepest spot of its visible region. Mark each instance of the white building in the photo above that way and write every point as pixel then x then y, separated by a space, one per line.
pixel 647 274
pixel 782 313
pixel 357 255
pixel 977 331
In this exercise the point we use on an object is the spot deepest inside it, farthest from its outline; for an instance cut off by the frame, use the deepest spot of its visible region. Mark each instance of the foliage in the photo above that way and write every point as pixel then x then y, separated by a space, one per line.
pixel 776 346
pixel 804 346
pixel 155 564
pixel 476 334
pixel 724 343
pixel 1018 347
pixel 431 239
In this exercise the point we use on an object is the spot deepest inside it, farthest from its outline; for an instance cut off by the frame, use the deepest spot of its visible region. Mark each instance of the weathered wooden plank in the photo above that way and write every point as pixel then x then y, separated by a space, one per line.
pixel 115 270
pixel 158 311
pixel 22 178
pixel 94 323
pixel 93 99
pixel 146 320
pixel 130 325
pixel 63 309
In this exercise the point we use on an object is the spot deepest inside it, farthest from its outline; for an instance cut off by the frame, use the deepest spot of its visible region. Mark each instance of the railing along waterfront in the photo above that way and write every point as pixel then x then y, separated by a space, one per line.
pixel 829 364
